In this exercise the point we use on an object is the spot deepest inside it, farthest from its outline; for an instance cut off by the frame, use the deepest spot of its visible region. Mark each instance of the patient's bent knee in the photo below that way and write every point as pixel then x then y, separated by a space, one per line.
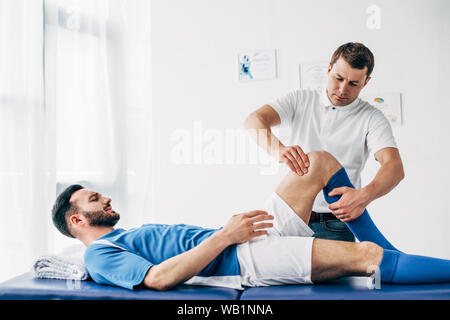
pixel 318 155
pixel 321 156
pixel 324 162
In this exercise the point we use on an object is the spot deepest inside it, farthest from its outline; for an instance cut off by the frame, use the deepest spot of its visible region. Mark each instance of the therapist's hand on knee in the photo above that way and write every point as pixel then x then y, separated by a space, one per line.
pixel 246 226
pixel 295 159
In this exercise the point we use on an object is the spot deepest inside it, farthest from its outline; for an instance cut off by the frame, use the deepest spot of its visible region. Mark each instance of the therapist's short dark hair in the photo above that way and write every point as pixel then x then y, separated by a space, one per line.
pixel 63 207
pixel 357 56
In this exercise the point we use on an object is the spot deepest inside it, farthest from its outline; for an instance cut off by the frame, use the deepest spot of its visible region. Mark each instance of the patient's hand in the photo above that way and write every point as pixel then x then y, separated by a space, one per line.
pixel 244 226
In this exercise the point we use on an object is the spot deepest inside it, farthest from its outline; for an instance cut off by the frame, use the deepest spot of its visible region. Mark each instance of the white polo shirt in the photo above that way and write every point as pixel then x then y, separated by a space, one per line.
pixel 350 133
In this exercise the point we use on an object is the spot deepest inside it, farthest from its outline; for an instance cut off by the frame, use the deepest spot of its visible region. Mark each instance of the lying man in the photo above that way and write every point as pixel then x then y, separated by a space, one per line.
pixel 253 249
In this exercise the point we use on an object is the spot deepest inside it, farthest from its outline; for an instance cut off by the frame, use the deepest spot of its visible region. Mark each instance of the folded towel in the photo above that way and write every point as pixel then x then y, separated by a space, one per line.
pixel 68 264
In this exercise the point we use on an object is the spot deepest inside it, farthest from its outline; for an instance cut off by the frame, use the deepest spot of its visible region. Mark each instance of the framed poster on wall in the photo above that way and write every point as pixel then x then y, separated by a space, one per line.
pixel 257 65
pixel 313 75
pixel 389 103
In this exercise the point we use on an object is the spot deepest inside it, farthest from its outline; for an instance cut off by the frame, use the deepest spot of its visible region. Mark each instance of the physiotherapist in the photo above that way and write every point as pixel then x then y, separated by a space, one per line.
pixel 337 121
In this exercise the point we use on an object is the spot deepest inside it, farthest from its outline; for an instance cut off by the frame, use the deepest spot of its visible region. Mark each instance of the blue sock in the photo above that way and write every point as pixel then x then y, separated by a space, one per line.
pixel 395 267
pixel 401 268
pixel 363 227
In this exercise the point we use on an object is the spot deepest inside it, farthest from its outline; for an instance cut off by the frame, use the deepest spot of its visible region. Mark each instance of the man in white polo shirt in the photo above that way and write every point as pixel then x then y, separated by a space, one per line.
pixel 337 121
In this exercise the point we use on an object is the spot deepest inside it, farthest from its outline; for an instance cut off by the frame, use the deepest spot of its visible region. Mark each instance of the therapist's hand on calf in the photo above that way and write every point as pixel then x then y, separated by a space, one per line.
pixel 246 226
pixel 351 204
pixel 295 159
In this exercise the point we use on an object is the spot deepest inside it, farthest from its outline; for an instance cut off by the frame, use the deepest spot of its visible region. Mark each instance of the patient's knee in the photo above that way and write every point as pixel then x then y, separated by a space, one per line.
pixel 323 162
pixel 321 156
pixel 318 155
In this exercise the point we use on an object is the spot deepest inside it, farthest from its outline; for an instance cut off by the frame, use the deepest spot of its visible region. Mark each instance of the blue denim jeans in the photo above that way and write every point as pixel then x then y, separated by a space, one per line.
pixel 332 230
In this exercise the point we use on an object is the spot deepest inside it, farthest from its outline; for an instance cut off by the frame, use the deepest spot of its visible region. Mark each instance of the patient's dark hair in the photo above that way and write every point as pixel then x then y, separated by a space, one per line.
pixel 62 208
pixel 357 56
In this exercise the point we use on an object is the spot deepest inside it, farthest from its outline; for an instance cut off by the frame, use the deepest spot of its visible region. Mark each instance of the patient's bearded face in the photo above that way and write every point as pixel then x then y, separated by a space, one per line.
pixel 102 218
pixel 96 208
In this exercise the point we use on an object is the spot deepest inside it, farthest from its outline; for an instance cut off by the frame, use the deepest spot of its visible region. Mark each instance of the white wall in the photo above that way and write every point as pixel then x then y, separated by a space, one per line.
pixel 194 62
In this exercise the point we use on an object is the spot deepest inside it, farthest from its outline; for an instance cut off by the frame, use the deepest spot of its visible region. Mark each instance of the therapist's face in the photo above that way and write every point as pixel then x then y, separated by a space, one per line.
pixel 345 82
pixel 95 208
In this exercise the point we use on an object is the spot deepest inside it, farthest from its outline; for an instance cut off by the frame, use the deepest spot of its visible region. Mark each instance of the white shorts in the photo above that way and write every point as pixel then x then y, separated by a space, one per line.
pixel 282 257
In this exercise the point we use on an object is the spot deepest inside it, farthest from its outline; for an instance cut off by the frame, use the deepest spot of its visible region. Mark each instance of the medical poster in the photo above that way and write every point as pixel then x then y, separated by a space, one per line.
pixel 257 65
pixel 313 75
pixel 388 103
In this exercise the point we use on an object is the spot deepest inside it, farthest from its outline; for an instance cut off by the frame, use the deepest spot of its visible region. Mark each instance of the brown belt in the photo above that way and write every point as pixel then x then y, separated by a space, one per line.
pixel 316 216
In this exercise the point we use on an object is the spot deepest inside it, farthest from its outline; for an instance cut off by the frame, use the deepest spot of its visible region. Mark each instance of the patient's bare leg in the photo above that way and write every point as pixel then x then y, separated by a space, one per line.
pixel 299 192
pixel 332 259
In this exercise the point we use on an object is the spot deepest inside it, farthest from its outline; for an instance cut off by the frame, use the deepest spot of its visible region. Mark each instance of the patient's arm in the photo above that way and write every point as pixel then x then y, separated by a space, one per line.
pixel 240 228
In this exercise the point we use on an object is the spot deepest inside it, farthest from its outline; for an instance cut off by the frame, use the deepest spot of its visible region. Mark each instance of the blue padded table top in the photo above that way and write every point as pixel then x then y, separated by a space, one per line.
pixel 27 287
pixel 350 288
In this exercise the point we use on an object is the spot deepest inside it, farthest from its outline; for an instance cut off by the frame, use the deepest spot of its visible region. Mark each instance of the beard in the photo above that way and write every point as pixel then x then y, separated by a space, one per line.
pixel 102 218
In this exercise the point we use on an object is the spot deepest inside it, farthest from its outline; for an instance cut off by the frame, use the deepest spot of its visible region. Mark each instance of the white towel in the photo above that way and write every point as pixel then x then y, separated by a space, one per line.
pixel 68 264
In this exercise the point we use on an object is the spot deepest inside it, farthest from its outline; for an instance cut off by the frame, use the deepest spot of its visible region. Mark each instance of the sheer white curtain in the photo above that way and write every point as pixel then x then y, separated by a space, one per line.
pixel 24 183
pixel 91 117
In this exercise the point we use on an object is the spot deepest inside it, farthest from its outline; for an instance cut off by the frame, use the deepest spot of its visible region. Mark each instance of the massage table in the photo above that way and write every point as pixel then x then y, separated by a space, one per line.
pixel 26 287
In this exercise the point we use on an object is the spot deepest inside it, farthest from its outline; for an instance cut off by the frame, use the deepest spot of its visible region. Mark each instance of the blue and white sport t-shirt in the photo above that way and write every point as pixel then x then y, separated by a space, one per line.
pixel 123 257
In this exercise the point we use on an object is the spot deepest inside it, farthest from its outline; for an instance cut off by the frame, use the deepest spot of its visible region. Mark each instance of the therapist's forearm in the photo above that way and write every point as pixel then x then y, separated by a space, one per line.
pixel 387 178
pixel 261 133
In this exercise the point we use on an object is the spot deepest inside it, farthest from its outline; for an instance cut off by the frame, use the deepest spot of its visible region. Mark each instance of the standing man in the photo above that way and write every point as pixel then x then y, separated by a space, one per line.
pixel 337 121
